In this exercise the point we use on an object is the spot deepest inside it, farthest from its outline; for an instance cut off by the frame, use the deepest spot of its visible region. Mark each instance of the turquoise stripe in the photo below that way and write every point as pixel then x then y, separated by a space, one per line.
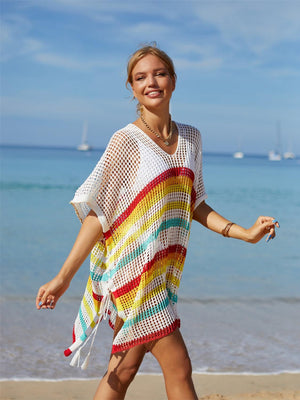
pixel 172 296
pixel 175 222
pixel 146 314
pixel 95 277
pixel 83 324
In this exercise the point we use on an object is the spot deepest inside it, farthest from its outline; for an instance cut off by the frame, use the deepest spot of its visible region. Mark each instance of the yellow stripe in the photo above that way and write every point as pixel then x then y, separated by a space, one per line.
pixel 126 301
pixel 172 278
pixel 133 305
pixel 153 218
pixel 85 302
pixel 154 196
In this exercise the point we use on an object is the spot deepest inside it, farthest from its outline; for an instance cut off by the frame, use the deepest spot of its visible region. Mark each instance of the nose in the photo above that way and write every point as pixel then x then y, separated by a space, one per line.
pixel 151 80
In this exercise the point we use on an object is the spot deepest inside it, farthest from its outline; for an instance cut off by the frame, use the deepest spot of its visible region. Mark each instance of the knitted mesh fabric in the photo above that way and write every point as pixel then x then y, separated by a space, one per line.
pixel 144 199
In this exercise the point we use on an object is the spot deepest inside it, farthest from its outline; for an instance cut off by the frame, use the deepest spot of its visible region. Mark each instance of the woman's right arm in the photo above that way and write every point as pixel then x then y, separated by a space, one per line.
pixel 89 234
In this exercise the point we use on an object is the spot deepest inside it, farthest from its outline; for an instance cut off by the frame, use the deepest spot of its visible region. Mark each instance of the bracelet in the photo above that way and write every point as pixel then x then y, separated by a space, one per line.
pixel 225 231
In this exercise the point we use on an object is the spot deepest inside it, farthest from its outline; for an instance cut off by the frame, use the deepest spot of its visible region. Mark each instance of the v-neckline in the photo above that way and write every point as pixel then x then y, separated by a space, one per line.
pixel 157 145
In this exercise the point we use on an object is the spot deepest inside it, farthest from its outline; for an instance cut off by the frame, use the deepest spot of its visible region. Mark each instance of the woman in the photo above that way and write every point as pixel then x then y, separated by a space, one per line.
pixel 136 209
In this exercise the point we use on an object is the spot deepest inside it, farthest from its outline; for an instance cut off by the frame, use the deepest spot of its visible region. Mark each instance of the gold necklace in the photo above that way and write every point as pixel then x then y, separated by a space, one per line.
pixel 166 141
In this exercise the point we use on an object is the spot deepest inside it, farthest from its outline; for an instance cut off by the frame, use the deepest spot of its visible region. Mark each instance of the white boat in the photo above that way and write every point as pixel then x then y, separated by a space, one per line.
pixel 289 155
pixel 238 155
pixel 84 146
pixel 274 155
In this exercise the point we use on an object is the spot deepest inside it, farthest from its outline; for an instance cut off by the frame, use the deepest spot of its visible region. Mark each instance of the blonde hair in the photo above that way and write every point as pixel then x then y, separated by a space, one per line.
pixel 144 51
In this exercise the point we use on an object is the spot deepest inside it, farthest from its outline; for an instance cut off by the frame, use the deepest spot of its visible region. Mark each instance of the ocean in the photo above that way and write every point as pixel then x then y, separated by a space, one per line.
pixel 239 303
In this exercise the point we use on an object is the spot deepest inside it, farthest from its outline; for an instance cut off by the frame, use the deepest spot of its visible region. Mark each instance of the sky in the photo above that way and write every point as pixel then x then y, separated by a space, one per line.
pixel 63 64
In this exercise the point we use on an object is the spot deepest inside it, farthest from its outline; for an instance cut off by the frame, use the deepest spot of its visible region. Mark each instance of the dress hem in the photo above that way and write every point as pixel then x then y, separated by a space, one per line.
pixel 148 338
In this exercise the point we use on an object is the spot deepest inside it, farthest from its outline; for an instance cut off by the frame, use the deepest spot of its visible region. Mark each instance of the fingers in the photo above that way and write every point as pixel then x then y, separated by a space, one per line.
pixel 271 228
pixel 39 297
pixel 44 300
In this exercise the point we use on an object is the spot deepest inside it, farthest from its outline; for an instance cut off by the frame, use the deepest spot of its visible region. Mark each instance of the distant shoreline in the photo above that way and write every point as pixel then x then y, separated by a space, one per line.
pixel 101 149
pixel 158 374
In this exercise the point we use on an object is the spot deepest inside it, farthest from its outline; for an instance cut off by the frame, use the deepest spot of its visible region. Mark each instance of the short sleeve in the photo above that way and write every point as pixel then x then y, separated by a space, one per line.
pixel 113 175
pixel 199 183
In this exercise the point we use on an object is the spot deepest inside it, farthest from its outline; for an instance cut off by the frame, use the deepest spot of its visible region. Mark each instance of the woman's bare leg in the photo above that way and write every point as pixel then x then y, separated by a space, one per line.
pixel 172 355
pixel 122 368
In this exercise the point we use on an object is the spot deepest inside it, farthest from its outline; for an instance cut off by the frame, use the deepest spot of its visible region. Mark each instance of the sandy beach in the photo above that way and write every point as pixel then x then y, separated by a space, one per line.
pixel 151 387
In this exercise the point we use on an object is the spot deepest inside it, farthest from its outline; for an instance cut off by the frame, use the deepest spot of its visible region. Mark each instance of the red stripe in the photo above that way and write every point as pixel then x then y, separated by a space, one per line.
pixel 73 334
pixel 158 256
pixel 170 173
pixel 148 338
pixel 97 297
pixel 67 352
pixel 193 196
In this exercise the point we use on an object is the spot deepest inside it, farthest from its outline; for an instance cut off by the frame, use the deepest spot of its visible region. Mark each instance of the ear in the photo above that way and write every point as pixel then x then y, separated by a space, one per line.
pixel 173 83
pixel 133 91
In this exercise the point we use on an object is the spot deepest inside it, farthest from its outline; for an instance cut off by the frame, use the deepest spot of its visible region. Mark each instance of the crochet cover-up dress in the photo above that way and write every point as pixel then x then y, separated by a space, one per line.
pixel 144 199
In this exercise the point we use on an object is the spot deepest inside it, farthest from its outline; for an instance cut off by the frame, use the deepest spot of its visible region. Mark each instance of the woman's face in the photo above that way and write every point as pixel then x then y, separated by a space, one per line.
pixel 152 84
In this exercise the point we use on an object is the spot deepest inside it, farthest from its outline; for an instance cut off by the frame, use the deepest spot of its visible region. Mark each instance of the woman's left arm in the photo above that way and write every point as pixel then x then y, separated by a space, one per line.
pixel 215 222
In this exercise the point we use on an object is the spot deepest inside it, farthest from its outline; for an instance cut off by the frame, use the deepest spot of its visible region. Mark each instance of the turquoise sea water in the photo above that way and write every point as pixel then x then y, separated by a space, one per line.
pixel 239 303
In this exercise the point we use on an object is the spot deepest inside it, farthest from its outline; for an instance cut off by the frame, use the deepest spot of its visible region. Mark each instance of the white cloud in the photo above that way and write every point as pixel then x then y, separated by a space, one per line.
pixel 143 29
pixel 242 34
pixel 206 63
pixel 68 62
pixel 283 72
pixel 15 39
pixel 99 10
pixel 63 107
pixel 258 25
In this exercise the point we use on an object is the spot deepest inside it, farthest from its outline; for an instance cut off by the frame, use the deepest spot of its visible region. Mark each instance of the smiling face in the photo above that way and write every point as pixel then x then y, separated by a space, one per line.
pixel 152 85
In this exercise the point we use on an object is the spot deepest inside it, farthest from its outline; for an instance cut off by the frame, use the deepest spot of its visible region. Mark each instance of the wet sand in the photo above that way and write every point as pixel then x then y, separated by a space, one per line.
pixel 151 387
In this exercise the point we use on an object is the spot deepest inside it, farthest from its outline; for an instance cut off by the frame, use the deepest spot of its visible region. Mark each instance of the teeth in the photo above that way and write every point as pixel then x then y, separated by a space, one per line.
pixel 155 92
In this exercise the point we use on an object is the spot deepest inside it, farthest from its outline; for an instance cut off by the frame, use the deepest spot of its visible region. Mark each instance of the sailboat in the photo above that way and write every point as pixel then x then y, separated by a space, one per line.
pixel 84 146
pixel 289 155
pixel 275 155
pixel 238 154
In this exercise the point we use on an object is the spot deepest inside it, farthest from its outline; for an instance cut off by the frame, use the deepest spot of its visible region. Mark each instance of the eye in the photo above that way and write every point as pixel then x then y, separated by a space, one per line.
pixel 139 78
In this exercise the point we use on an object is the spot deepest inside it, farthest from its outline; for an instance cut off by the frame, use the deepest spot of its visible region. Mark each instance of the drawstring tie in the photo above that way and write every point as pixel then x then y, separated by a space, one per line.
pixel 103 314
pixel 104 307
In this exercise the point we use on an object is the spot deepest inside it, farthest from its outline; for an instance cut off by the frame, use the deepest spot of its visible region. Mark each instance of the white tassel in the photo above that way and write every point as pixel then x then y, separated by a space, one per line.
pixel 103 314
pixel 87 358
pixel 85 363
pixel 76 359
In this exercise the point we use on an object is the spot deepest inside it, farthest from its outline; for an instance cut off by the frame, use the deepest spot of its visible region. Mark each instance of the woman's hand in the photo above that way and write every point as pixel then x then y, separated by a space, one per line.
pixel 215 222
pixel 49 293
pixel 263 226
pixel 89 234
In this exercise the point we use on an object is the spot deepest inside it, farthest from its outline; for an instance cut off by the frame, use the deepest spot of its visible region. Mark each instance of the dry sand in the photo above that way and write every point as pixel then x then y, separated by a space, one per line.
pixel 151 387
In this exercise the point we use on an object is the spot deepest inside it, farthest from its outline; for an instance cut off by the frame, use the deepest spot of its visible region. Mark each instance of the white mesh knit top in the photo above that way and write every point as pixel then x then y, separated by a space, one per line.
pixel 144 199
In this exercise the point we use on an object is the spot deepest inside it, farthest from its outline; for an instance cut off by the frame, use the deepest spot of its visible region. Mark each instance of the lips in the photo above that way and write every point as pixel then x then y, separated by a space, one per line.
pixel 154 93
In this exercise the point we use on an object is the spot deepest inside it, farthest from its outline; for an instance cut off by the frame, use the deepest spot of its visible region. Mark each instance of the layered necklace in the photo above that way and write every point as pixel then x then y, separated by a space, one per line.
pixel 167 140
